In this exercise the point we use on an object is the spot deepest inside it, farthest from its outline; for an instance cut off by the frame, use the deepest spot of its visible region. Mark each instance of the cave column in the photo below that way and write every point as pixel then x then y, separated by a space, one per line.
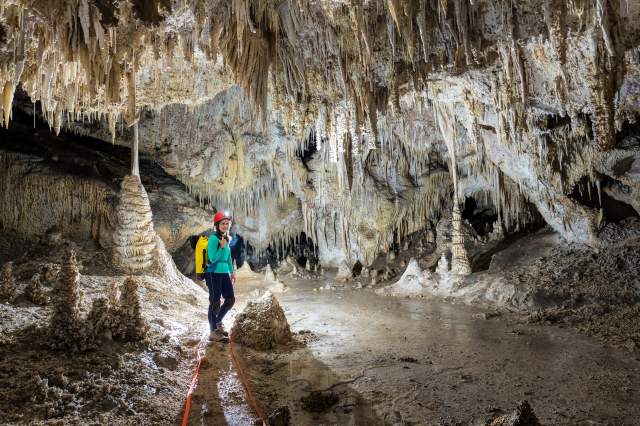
pixel 459 260
pixel 135 240
pixel 135 165
pixel 132 113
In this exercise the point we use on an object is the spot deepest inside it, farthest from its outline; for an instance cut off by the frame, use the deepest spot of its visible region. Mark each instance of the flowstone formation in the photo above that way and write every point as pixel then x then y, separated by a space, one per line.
pixel 262 324
pixel 134 238
pixel 8 288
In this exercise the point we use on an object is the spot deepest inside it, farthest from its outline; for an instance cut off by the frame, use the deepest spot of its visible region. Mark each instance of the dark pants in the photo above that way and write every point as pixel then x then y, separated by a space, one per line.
pixel 219 285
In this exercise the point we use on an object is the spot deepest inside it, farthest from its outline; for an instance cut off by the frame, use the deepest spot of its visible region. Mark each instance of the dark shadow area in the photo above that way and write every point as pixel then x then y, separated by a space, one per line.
pixel 586 193
pixel 77 155
pixel 481 219
pixel 308 150
pixel 629 135
pixel 357 269
pixel 301 248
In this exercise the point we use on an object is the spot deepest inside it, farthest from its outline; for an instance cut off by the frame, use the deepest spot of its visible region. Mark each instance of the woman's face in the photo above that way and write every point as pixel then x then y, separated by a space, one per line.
pixel 224 225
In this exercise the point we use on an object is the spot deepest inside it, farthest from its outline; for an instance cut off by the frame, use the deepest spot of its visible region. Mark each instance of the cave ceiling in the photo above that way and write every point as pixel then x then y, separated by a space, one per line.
pixel 524 100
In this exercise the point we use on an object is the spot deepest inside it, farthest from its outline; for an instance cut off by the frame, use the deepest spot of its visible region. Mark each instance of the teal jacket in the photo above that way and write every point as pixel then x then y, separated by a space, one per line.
pixel 220 260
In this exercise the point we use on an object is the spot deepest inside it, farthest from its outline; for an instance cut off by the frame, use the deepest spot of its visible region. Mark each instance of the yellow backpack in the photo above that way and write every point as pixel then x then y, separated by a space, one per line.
pixel 201 256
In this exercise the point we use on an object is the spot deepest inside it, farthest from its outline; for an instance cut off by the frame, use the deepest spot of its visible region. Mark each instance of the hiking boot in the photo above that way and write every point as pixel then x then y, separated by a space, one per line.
pixel 217 336
pixel 220 330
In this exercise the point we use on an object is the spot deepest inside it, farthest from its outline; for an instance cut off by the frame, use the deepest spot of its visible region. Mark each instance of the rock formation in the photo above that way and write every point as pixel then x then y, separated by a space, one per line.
pixel 346 141
pixel 129 324
pixel 262 324
pixel 35 292
pixel 459 259
pixel 134 238
pixel 523 415
pixel 99 320
pixel 8 288
pixel 65 325
pixel 49 273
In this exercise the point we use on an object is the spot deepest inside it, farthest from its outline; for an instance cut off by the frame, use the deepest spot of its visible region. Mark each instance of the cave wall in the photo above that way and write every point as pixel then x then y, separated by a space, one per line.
pixel 70 185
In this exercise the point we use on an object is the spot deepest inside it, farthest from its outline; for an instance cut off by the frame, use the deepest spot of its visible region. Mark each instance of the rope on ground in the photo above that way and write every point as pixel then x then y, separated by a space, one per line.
pixel 245 383
pixel 194 380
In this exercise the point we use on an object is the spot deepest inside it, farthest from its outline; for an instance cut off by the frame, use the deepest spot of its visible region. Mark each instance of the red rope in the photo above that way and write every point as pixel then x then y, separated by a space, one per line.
pixel 245 383
pixel 194 383
pixel 243 379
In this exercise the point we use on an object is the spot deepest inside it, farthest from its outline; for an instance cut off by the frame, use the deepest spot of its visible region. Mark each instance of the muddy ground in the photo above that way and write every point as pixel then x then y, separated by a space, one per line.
pixel 119 382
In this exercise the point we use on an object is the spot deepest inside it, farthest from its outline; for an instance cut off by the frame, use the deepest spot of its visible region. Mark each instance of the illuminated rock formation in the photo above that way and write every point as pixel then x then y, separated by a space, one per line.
pixel 134 238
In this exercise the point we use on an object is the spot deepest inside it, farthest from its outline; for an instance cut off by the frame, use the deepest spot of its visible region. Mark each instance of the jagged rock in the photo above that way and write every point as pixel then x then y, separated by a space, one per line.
pixel 262 324
pixel 497 233
pixel 8 287
pixel 35 292
pixel 443 266
pixel 523 415
pixel 114 293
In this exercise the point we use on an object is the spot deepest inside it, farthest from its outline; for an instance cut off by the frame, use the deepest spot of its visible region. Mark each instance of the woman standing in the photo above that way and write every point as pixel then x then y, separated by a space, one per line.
pixel 219 275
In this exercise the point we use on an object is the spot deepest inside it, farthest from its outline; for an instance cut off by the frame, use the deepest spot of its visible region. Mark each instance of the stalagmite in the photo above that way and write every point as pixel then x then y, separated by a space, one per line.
pixel 64 326
pixel 8 288
pixel 129 324
pixel 134 238
pixel 459 259
pixel 99 320
pixel 35 292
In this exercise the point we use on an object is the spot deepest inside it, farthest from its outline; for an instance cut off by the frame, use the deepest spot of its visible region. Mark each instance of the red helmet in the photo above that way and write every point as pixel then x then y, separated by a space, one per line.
pixel 221 215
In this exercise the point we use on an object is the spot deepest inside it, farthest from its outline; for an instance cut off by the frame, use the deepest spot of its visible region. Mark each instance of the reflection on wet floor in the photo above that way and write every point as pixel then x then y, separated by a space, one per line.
pixel 389 360
pixel 232 397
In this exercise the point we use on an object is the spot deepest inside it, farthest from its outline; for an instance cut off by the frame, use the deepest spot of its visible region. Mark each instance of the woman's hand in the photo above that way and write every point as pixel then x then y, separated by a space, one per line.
pixel 223 242
pixel 233 278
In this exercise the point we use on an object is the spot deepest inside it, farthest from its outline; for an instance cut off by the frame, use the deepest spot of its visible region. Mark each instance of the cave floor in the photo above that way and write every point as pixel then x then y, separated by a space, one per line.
pixel 418 361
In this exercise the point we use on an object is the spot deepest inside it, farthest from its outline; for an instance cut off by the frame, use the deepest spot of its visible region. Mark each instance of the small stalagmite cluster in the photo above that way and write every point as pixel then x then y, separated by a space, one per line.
pixel 8 287
pixel 114 317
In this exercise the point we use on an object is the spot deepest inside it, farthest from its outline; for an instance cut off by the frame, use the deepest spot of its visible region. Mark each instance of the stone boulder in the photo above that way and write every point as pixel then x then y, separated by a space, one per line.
pixel 262 324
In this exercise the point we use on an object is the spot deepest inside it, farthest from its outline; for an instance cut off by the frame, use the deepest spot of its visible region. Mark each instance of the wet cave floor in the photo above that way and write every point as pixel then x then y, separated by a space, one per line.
pixel 385 360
